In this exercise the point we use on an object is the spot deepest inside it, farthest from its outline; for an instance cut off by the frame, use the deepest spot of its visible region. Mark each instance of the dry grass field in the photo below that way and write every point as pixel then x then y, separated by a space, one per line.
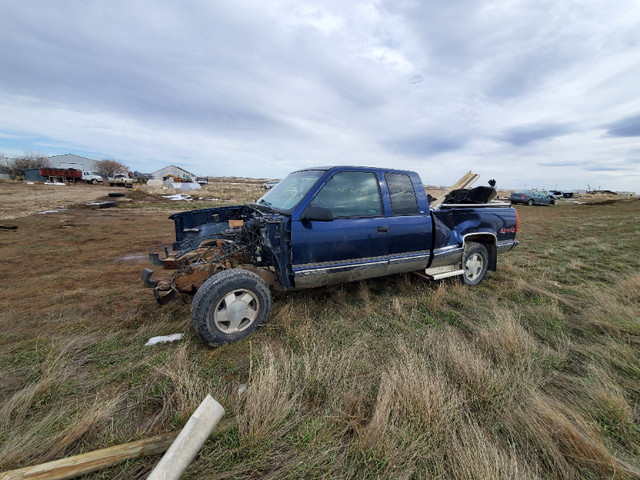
pixel 535 373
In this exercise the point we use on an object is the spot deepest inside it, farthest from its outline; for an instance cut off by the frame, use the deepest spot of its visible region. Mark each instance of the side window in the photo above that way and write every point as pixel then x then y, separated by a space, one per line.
pixel 351 194
pixel 402 194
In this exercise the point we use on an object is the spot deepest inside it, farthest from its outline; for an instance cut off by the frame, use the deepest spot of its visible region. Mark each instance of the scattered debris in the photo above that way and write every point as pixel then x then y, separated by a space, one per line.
pixel 164 339
pixel 55 183
pixel 8 227
pixel 242 388
pixel 184 186
pixel 178 197
pixel 104 204
pixel 116 194
pixel 132 258
pixel 189 441
pixel 61 209
pixel 89 462
pixel 464 183
pixel 155 183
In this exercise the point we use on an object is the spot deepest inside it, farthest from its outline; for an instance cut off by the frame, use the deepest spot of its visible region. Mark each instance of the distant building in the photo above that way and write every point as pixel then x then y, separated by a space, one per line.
pixel 5 172
pixel 69 160
pixel 175 172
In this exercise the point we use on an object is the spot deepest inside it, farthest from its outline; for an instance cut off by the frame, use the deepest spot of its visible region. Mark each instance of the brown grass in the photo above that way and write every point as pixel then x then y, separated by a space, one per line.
pixel 533 374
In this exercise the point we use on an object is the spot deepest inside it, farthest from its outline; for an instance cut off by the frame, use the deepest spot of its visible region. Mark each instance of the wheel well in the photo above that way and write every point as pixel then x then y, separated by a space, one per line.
pixel 489 242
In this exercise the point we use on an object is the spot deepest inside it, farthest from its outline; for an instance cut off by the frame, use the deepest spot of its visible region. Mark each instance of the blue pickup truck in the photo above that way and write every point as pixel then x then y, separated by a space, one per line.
pixel 321 226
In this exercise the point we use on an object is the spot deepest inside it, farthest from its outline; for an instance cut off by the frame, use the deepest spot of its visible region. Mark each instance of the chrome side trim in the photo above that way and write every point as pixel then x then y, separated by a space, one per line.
pixel 495 237
pixel 326 275
pixel 410 257
pixel 408 262
pixel 322 270
pixel 351 261
pixel 451 255
pixel 506 246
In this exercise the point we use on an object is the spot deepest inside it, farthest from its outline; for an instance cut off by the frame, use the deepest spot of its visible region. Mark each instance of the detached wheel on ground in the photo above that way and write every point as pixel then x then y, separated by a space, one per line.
pixel 229 306
pixel 474 263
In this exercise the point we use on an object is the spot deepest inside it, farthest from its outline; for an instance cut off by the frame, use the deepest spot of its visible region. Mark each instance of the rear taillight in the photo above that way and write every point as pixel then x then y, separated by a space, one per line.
pixel 517 221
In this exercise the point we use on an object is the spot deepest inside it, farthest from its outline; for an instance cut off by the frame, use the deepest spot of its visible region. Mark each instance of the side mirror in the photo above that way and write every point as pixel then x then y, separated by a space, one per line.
pixel 319 214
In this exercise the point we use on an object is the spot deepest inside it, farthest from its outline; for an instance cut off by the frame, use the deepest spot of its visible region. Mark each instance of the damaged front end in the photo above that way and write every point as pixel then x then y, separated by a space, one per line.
pixel 211 240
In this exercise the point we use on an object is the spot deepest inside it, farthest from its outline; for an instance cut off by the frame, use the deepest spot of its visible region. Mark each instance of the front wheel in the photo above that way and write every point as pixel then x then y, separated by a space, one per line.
pixel 530 202
pixel 474 263
pixel 229 306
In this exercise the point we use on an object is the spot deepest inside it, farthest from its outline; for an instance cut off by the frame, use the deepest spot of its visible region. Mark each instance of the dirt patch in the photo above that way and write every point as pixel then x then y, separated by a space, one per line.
pixel 21 199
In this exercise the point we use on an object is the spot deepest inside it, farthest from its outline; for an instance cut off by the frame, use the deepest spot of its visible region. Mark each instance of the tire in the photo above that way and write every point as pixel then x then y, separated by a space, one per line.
pixel 530 202
pixel 111 184
pixel 94 181
pixel 474 263
pixel 229 306
pixel 552 202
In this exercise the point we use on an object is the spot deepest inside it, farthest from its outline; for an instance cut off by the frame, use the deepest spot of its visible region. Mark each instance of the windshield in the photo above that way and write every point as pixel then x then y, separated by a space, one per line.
pixel 286 194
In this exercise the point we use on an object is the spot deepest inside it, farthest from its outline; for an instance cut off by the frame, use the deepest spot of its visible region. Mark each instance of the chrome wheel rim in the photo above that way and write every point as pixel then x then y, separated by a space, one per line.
pixel 473 266
pixel 236 311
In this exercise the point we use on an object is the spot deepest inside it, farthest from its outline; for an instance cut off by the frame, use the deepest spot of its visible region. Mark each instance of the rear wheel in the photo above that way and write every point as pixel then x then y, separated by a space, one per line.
pixel 474 263
pixel 229 306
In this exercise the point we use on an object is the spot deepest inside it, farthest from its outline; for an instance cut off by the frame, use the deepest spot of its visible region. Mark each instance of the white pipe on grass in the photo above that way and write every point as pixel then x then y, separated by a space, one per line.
pixel 185 447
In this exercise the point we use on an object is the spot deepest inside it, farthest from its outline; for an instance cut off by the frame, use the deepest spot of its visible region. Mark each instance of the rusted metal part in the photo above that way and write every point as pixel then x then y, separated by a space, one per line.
pixel 168 263
pixel 146 278
pixel 164 297
pixel 267 274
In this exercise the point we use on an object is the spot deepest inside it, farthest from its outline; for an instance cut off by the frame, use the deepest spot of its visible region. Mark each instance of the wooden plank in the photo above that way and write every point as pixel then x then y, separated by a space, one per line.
pixel 466 181
pixel 82 464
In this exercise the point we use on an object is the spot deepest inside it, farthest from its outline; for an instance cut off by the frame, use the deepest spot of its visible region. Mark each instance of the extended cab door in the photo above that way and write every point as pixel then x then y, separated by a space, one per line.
pixel 409 238
pixel 351 246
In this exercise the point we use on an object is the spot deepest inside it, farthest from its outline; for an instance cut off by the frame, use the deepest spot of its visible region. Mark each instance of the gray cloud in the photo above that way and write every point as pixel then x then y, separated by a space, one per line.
pixel 626 127
pixel 423 146
pixel 526 134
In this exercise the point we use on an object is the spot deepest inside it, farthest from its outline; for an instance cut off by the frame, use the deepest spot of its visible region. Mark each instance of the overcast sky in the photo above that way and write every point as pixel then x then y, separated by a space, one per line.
pixel 532 93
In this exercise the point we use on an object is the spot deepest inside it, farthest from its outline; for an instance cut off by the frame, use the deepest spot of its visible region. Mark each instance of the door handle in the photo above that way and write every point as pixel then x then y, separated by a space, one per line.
pixel 383 229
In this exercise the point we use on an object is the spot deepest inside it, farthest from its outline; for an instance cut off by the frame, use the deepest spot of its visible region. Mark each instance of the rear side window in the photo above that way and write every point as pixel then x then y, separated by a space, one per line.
pixel 351 194
pixel 402 194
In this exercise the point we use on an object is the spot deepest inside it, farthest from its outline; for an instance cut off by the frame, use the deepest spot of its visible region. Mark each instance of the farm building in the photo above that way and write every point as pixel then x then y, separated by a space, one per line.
pixel 175 172
pixel 69 160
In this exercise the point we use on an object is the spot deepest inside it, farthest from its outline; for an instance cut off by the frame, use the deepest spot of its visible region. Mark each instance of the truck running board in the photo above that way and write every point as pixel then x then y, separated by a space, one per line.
pixel 439 273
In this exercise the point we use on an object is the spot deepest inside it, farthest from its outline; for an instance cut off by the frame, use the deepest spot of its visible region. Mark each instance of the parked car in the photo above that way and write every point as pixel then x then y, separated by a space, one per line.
pixel 270 184
pixel 203 180
pixel 532 197
pixel 560 194
pixel 318 227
